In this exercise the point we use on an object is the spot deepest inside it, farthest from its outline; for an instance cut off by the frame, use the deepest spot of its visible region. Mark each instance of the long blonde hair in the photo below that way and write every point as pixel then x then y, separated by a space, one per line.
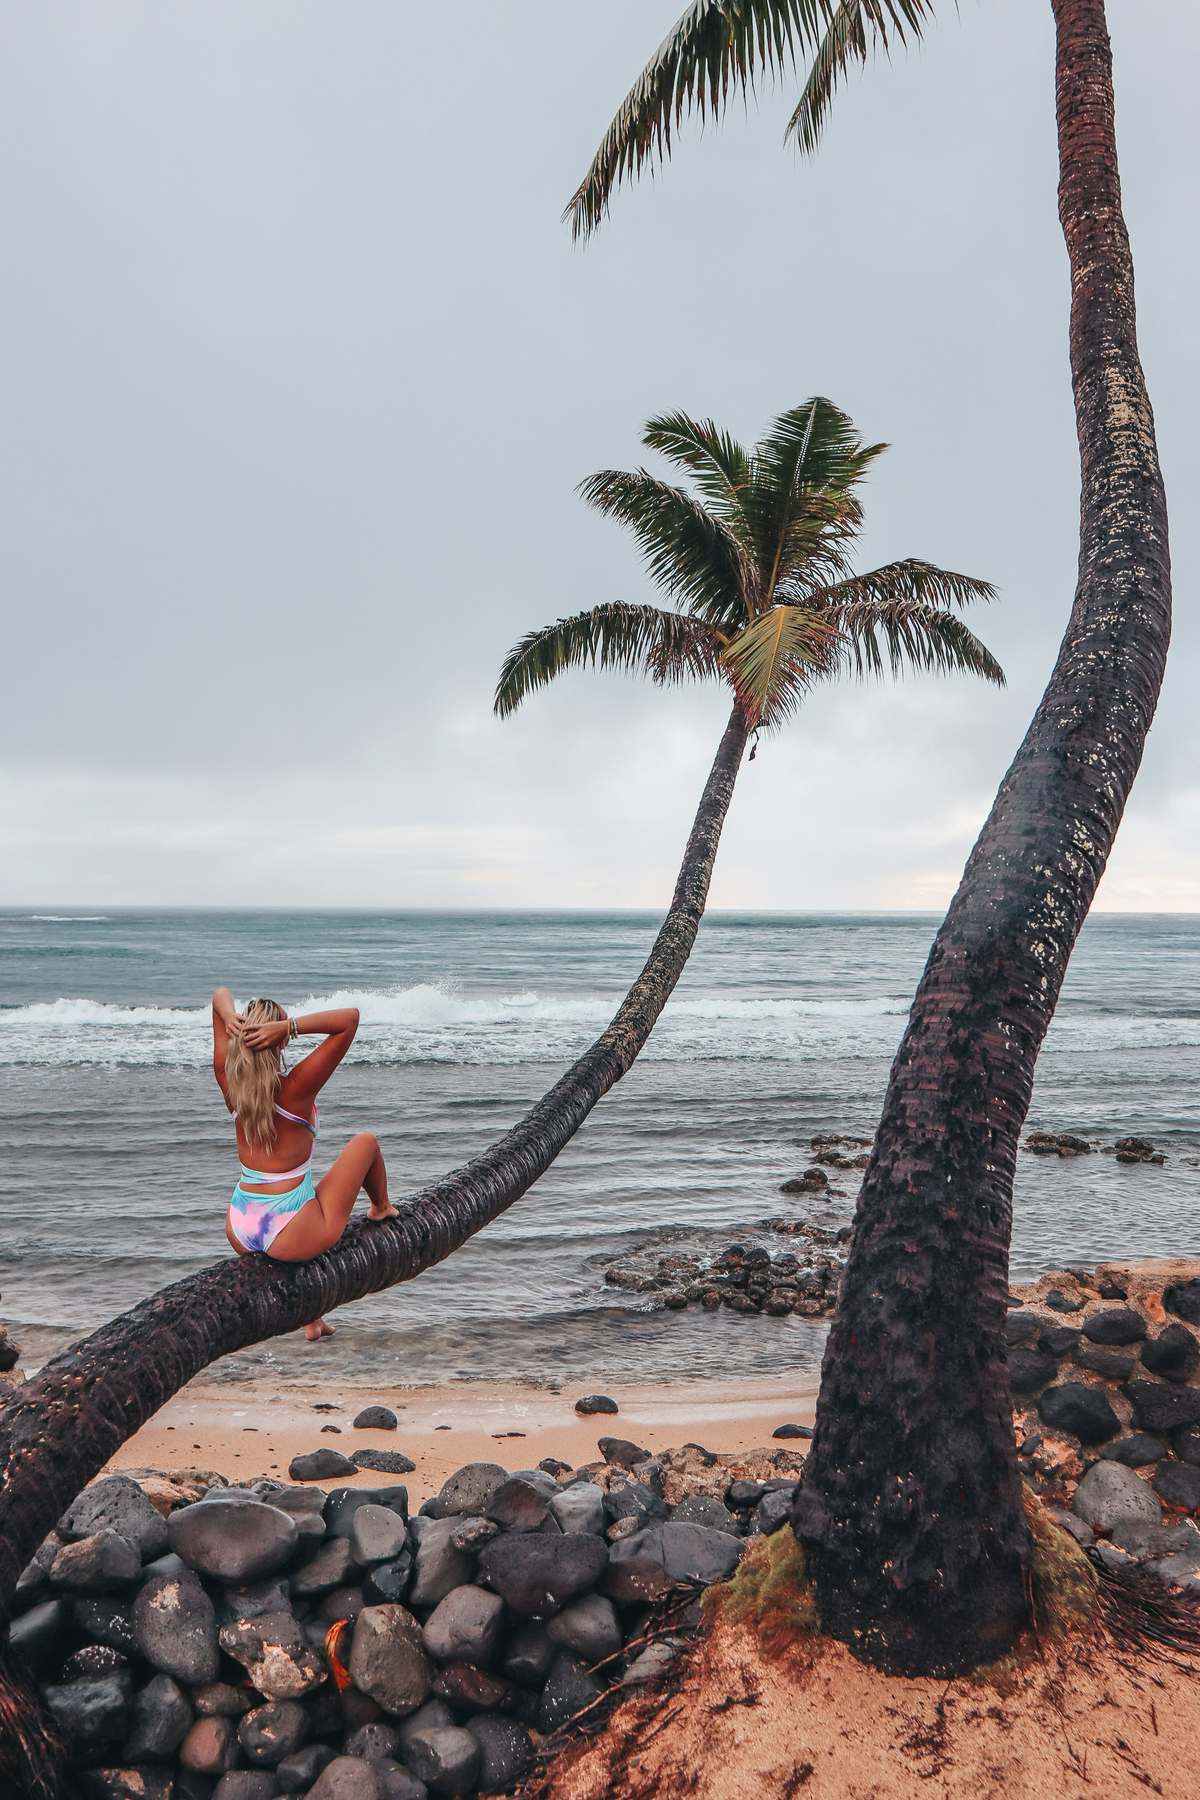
pixel 253 1077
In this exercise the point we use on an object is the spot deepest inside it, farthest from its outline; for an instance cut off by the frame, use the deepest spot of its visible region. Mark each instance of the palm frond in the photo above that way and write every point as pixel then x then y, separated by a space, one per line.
pixel 776 659
pixel 717 463
pixel 717 49
pixel 854 27
pixel 665 645
pixel 801 500
pixel 877 637
pixel 909 579
pixel 691 552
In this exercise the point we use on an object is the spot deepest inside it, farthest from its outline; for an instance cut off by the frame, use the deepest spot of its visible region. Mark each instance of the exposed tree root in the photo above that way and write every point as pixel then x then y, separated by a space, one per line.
pixel 32 1757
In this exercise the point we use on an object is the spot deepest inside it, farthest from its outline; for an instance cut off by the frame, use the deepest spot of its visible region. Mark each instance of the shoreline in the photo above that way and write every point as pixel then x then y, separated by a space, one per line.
pixel 255 1430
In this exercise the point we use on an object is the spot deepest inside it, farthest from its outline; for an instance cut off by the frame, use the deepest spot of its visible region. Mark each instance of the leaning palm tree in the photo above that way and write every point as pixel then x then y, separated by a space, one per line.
pixel 756 556
pixel 911 1508
pixel 769 602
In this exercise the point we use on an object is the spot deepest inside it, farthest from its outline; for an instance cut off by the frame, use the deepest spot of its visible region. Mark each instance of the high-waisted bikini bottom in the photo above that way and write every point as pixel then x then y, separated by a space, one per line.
pixel 257 1219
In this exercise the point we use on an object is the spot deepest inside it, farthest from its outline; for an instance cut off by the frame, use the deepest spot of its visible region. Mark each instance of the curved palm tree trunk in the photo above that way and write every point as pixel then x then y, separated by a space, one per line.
pixel 911 1506
pixel 63 1426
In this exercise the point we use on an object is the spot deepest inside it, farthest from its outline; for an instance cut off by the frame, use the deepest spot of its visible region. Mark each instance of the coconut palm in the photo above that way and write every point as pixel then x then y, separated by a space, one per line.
pixel 756 556
pixel 762 572
pixel 911 1508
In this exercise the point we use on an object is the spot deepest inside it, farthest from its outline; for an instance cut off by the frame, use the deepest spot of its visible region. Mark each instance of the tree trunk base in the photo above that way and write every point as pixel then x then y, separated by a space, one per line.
pixel 766 1705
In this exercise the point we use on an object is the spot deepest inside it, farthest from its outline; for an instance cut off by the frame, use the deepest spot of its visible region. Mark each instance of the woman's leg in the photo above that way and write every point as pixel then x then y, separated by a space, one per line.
pixel 319 1225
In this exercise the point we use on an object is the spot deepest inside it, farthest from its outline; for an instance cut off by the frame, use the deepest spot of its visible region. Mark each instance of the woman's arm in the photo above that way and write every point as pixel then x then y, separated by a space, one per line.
pixel 226 1024
pixel 337 1027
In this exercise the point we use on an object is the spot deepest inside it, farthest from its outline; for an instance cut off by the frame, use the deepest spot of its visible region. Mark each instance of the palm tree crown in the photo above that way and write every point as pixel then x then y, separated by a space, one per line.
pixel 756 556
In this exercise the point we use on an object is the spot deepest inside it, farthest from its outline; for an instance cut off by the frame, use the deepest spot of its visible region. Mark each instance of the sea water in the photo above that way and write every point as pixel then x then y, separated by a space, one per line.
pixel 119 1154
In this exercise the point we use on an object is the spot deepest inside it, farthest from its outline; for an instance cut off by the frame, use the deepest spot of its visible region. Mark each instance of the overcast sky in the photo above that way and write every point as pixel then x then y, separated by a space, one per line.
pixel 300 371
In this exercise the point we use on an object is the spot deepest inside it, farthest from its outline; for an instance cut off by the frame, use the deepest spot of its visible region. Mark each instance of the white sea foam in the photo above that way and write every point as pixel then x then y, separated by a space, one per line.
pixel 69 918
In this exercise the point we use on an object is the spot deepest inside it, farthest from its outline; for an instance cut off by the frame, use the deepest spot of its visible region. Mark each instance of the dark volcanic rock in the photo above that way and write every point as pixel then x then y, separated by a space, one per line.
pixel 1174 1354
pixel 1186 1444
pixel 106 1622
pixel 376 1418
pixel 703 1509
pixel 233 1543
pixel 91 1713
pixel 439 1566
pixel 537 1574
pixel 376 1741
pixel 622 1453
pixel 269 1733
pixel 1056 1143
pixel 1183 1299
pixel 1060 1302
pixel 39 1636
pixel 444 1757
pixel 1021 1327
pixel 644 1567
pixel 331 1567
pixel 273 1653
pixel 388 1660
pixel 1056 1340
pixel 117 1504
pixel 341 1504
pixel 580 1507
pixel 1179 1484
pixel 465 1626
pixel 772 1511
pixel 505 1752
pixel 1104 1360
pixel 518 1505
pixel 588 1627
pixel 377 1535
pixel 1116 1325
pixel 297 1772
pixel 175 1628
pixel 1136 1451
pixel 132 1783
pixel 634 1500
pixel 469 1490
pixel 390 1582
pixel 221 1700
pixel 1084 1411
pixel 1029 1370
pixel 604 1403
pixel 245 1784
pixel 162 1714
pixel 809 1181
pixel 528 1653
pixel 384 1462
pixel 472 1534
pixel 1137 1150
pixel 100 1564
pixel 348 1778
pixel 792 1431
pixel 319 1465
pixel 1158 1406
pixel 471 1689
pixel 1110 1496
pixel 569 1688
pixel 210 1747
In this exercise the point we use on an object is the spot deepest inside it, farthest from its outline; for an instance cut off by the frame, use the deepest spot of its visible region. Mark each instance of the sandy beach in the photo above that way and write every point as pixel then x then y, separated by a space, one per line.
pixel 253 1430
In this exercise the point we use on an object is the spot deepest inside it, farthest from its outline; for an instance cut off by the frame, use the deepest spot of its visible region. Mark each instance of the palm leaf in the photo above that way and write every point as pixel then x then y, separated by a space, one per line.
pixel 691 552
pixel 910 579
pixel 717 49
pixel 800 500
pixel 667 646
pixel 715 460
pixel 778 656
pixel 854 26
pixel 877 637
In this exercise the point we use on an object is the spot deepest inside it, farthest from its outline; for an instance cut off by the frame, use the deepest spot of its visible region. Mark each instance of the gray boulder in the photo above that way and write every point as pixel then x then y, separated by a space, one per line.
pixel 470 1489
pixel 384 1462
pixel 376 1418
pixel 588 1404
pixel 377 1535
pixel 233 1543
pixel 320 1465
pixel 439 1566
pixel 1110 1495
pixel 274 1654
pixel 117 1504
pixel 398 1784
pixel 39 1637
pixel 465 1627
pixel 254 1601
pixel 647 1565
pixel 445 1758
pixel 588 1627
pixel 100 1564
pixel 537 1575
pixel 389 1582
pixel 175 1628
pixel 703 1509
pixel 580 1508
pixel 331 1567
pixel 297 1772
pixel 432 1713
pixel 341 1504
pixel 1179 1484
pixel 269 1733
pixel 348 1778
pixel 162 1716
pixel 518 1504
pixel 388 1660
pixel 569 1688
pixel 1162 1405
pixel 376 1741
pixel 505 1752
pixel 92 1713
pixel 622 1453
pixel 528 1654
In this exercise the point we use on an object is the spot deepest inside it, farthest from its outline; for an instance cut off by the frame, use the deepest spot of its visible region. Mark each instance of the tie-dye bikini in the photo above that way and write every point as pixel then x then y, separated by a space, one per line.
pixel 257 1219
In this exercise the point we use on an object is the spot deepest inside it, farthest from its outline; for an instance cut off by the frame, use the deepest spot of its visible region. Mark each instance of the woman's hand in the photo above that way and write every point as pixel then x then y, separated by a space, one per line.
pixel 264 1037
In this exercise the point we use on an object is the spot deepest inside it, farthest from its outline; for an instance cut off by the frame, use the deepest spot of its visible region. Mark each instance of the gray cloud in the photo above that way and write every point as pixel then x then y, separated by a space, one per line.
pixel 301 370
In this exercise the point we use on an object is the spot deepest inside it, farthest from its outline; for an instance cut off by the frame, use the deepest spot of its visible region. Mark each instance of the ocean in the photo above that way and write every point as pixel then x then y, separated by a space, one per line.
pixel 119 1154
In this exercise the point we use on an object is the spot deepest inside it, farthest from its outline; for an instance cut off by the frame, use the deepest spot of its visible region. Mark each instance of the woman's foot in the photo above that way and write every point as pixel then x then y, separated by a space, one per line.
pixel 386 1211
pixel 320 1328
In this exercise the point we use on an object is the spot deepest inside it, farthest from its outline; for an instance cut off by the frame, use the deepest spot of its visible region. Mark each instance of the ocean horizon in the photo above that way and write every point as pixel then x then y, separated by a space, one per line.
pixel 120 1153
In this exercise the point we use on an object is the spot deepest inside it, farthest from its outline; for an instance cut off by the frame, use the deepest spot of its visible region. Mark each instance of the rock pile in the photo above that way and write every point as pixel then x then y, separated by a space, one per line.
pixel 1105 1372
pixel 746 1278
pixel 1067 1143
pixel 244 1643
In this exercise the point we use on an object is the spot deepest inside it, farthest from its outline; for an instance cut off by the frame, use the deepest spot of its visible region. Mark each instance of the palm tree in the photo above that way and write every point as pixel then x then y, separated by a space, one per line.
pixel 771 605
pixel 757 560
pixel 911 1507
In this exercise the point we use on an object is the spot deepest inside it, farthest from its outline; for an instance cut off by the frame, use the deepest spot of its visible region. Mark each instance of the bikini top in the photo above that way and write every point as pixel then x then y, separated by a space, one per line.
pixel 256 1175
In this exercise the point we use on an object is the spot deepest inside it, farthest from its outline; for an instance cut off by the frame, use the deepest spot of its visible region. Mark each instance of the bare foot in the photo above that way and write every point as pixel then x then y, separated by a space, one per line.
pixel 320 1328
pixel 388 1212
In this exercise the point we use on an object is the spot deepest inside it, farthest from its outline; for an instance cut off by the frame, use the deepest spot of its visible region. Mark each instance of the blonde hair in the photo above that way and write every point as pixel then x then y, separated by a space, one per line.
pixel 253 1077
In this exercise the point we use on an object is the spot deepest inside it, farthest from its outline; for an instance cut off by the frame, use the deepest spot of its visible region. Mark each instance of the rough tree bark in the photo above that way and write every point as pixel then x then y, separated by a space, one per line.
pixel 63 1426
pixel 911 1506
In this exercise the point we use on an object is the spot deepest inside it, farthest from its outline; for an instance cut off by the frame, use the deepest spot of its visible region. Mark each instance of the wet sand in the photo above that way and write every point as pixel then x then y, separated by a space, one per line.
pixel 250 1430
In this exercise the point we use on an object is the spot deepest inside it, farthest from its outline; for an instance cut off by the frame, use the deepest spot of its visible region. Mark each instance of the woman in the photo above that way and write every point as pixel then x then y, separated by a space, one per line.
pixel 276 1207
